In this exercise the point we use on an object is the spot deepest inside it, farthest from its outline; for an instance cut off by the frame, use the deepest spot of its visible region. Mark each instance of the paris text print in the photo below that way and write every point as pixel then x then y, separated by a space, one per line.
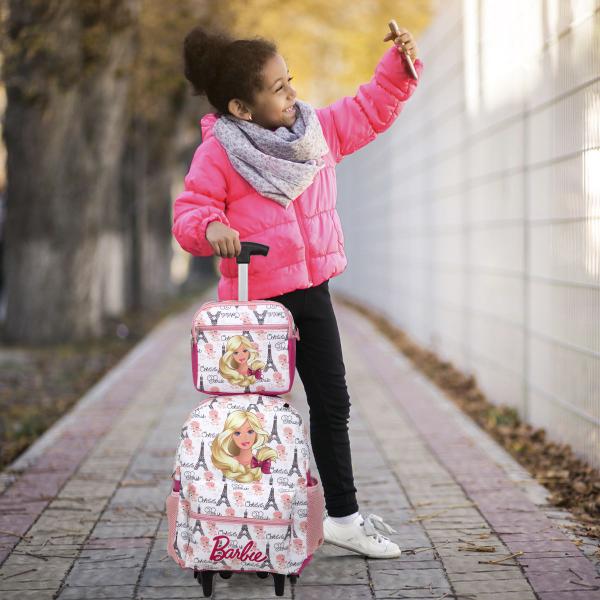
pixel 241 469
pixel 243 348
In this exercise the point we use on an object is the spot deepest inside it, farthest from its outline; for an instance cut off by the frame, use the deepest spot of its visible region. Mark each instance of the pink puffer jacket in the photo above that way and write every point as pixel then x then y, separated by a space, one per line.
pixel 305 240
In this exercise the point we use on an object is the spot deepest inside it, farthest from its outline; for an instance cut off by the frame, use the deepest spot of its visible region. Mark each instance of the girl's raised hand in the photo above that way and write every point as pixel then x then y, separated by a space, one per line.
pixel 404 40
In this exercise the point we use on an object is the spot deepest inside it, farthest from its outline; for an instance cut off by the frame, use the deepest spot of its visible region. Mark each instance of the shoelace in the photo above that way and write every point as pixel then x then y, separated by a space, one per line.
pixel 372 523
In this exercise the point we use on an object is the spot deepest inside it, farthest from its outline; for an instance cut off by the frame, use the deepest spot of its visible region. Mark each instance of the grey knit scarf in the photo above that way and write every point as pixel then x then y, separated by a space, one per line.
pixel 278 164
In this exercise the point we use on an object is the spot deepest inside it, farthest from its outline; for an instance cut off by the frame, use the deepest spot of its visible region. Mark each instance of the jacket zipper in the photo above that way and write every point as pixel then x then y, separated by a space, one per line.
pixel 304 238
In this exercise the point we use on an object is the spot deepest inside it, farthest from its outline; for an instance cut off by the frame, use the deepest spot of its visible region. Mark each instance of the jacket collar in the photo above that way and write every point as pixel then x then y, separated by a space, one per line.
pixel 207 123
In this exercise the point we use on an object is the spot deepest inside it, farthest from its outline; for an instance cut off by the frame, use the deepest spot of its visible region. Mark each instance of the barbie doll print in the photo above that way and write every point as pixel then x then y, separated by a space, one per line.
pixel 232 449
pixel 241 364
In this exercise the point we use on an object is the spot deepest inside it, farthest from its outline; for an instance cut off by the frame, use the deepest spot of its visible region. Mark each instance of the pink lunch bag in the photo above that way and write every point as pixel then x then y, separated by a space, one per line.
pixel 242 347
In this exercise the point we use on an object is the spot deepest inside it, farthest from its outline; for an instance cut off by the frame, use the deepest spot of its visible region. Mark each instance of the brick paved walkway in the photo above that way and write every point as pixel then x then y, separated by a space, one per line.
pixel 82 511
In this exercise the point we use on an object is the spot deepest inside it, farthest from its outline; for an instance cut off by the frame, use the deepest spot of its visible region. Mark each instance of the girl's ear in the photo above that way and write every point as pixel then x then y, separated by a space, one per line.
pixel 239 109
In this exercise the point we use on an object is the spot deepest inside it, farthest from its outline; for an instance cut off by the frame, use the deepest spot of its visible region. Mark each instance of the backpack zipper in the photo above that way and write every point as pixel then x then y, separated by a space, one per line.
pixel 291 333
pixel 293 330
pixel 205 517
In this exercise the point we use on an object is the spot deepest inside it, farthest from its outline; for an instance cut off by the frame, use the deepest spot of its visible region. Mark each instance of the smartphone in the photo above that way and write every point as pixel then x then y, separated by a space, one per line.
pixel 394 29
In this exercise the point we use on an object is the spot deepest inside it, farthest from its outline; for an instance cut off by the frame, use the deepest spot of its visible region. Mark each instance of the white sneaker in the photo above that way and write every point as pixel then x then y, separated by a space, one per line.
pixel 362 536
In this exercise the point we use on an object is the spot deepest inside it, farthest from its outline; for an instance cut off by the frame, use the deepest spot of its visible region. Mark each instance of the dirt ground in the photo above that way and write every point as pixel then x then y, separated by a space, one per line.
pixel 39 385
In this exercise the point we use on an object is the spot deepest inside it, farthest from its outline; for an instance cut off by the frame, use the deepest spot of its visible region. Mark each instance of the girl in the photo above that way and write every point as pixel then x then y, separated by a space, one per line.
pixel 265 172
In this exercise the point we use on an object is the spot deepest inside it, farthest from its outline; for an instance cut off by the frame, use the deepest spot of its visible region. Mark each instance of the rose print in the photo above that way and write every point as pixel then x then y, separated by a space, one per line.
pixel 246 319
pixel 260 388
pixel 205 543
pixel 288 434
pixel 230 511
pixel 278 377
pixel 257 488
pixel 188 445
pixel 195 428
pixel 280 560
pixel 186 505
pixel 277 514
pixel 287 500
pixel 210 485
pixel 192 493
pixel 301 482
pixel 260 532
pixel 189 550
pixel 210 350
pixel 213 389
pixel 283 360
pixel 298 545
pixel 261 417
pixel 211 528
pixel 208 475
pixel 281 450
pixel 213 415
pixel 303 526
pixel 238 498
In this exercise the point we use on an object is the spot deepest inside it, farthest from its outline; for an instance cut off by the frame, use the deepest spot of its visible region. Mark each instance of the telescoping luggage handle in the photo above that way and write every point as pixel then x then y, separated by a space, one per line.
pixel 243 260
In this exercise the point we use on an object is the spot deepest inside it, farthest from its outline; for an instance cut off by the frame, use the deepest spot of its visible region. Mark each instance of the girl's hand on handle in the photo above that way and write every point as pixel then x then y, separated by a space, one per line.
pixel 224 240
pixel 404 40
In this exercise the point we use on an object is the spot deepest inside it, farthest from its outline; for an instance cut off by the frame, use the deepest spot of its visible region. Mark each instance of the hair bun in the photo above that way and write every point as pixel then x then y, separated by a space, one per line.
pixel 202 52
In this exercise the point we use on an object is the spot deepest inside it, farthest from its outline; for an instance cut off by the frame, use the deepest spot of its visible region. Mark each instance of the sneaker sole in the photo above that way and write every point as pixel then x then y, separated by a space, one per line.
pixel 340 545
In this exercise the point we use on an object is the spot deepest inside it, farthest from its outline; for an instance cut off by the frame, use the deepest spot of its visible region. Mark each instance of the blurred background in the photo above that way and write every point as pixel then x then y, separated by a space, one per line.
pixel 473 223
pixel 99 127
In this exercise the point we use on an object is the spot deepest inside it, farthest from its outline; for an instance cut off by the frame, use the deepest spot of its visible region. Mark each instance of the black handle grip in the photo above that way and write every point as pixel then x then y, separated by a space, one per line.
pixel 250 248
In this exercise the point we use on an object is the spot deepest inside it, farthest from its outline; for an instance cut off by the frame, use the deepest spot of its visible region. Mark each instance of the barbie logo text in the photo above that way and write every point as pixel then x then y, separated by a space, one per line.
pixel 219 551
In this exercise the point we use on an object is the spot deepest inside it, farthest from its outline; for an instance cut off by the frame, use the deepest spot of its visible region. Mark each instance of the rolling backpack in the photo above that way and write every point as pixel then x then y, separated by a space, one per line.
pixel 242 496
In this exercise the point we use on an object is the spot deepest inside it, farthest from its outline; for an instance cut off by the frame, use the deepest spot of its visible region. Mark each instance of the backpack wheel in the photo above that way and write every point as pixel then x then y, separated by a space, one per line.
pixel 207 582
pixel 225 574
pixel 262 574
pixel 279 583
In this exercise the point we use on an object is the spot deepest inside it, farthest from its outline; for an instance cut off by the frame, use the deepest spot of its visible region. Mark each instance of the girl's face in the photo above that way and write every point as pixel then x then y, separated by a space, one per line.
pixel 277 95
pixel 245 436
pixel 241 354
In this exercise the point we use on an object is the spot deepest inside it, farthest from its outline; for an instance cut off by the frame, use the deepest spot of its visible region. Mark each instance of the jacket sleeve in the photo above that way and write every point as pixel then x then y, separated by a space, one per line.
pixel 201 202
pixel 353 121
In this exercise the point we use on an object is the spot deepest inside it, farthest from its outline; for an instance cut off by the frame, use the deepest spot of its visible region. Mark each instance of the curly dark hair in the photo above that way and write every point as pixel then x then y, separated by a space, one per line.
pixel 223 68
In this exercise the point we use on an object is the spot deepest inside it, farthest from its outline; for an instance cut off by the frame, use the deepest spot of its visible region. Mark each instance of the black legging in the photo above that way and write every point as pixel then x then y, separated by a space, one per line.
pixel 321 368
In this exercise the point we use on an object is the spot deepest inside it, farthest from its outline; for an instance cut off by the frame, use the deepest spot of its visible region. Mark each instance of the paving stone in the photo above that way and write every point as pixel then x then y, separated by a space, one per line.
pixel 96 592
pixel 418 464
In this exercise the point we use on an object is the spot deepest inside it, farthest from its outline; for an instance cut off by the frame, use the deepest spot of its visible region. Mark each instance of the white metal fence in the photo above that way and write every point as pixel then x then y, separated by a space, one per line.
pixel 474 221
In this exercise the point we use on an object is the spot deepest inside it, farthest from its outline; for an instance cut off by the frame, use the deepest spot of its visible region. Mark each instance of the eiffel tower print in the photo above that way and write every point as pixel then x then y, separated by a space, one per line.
pixel 201 386
pixel 260 318
pixel 267 563
pixel 224 498
pixel 184 433
pixel 175 547
pixel 271 500
pixel 270 364
pixel 274 434
pixel 288 533
pixel 201 459
pixel 244 529
pixel 198 526
pixel 294 468
pixel 252 406
pixel 213 318
pixel 200 335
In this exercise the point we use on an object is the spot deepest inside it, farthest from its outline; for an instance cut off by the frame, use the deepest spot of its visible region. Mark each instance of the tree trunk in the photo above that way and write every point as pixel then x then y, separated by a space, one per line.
pixel 64 132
